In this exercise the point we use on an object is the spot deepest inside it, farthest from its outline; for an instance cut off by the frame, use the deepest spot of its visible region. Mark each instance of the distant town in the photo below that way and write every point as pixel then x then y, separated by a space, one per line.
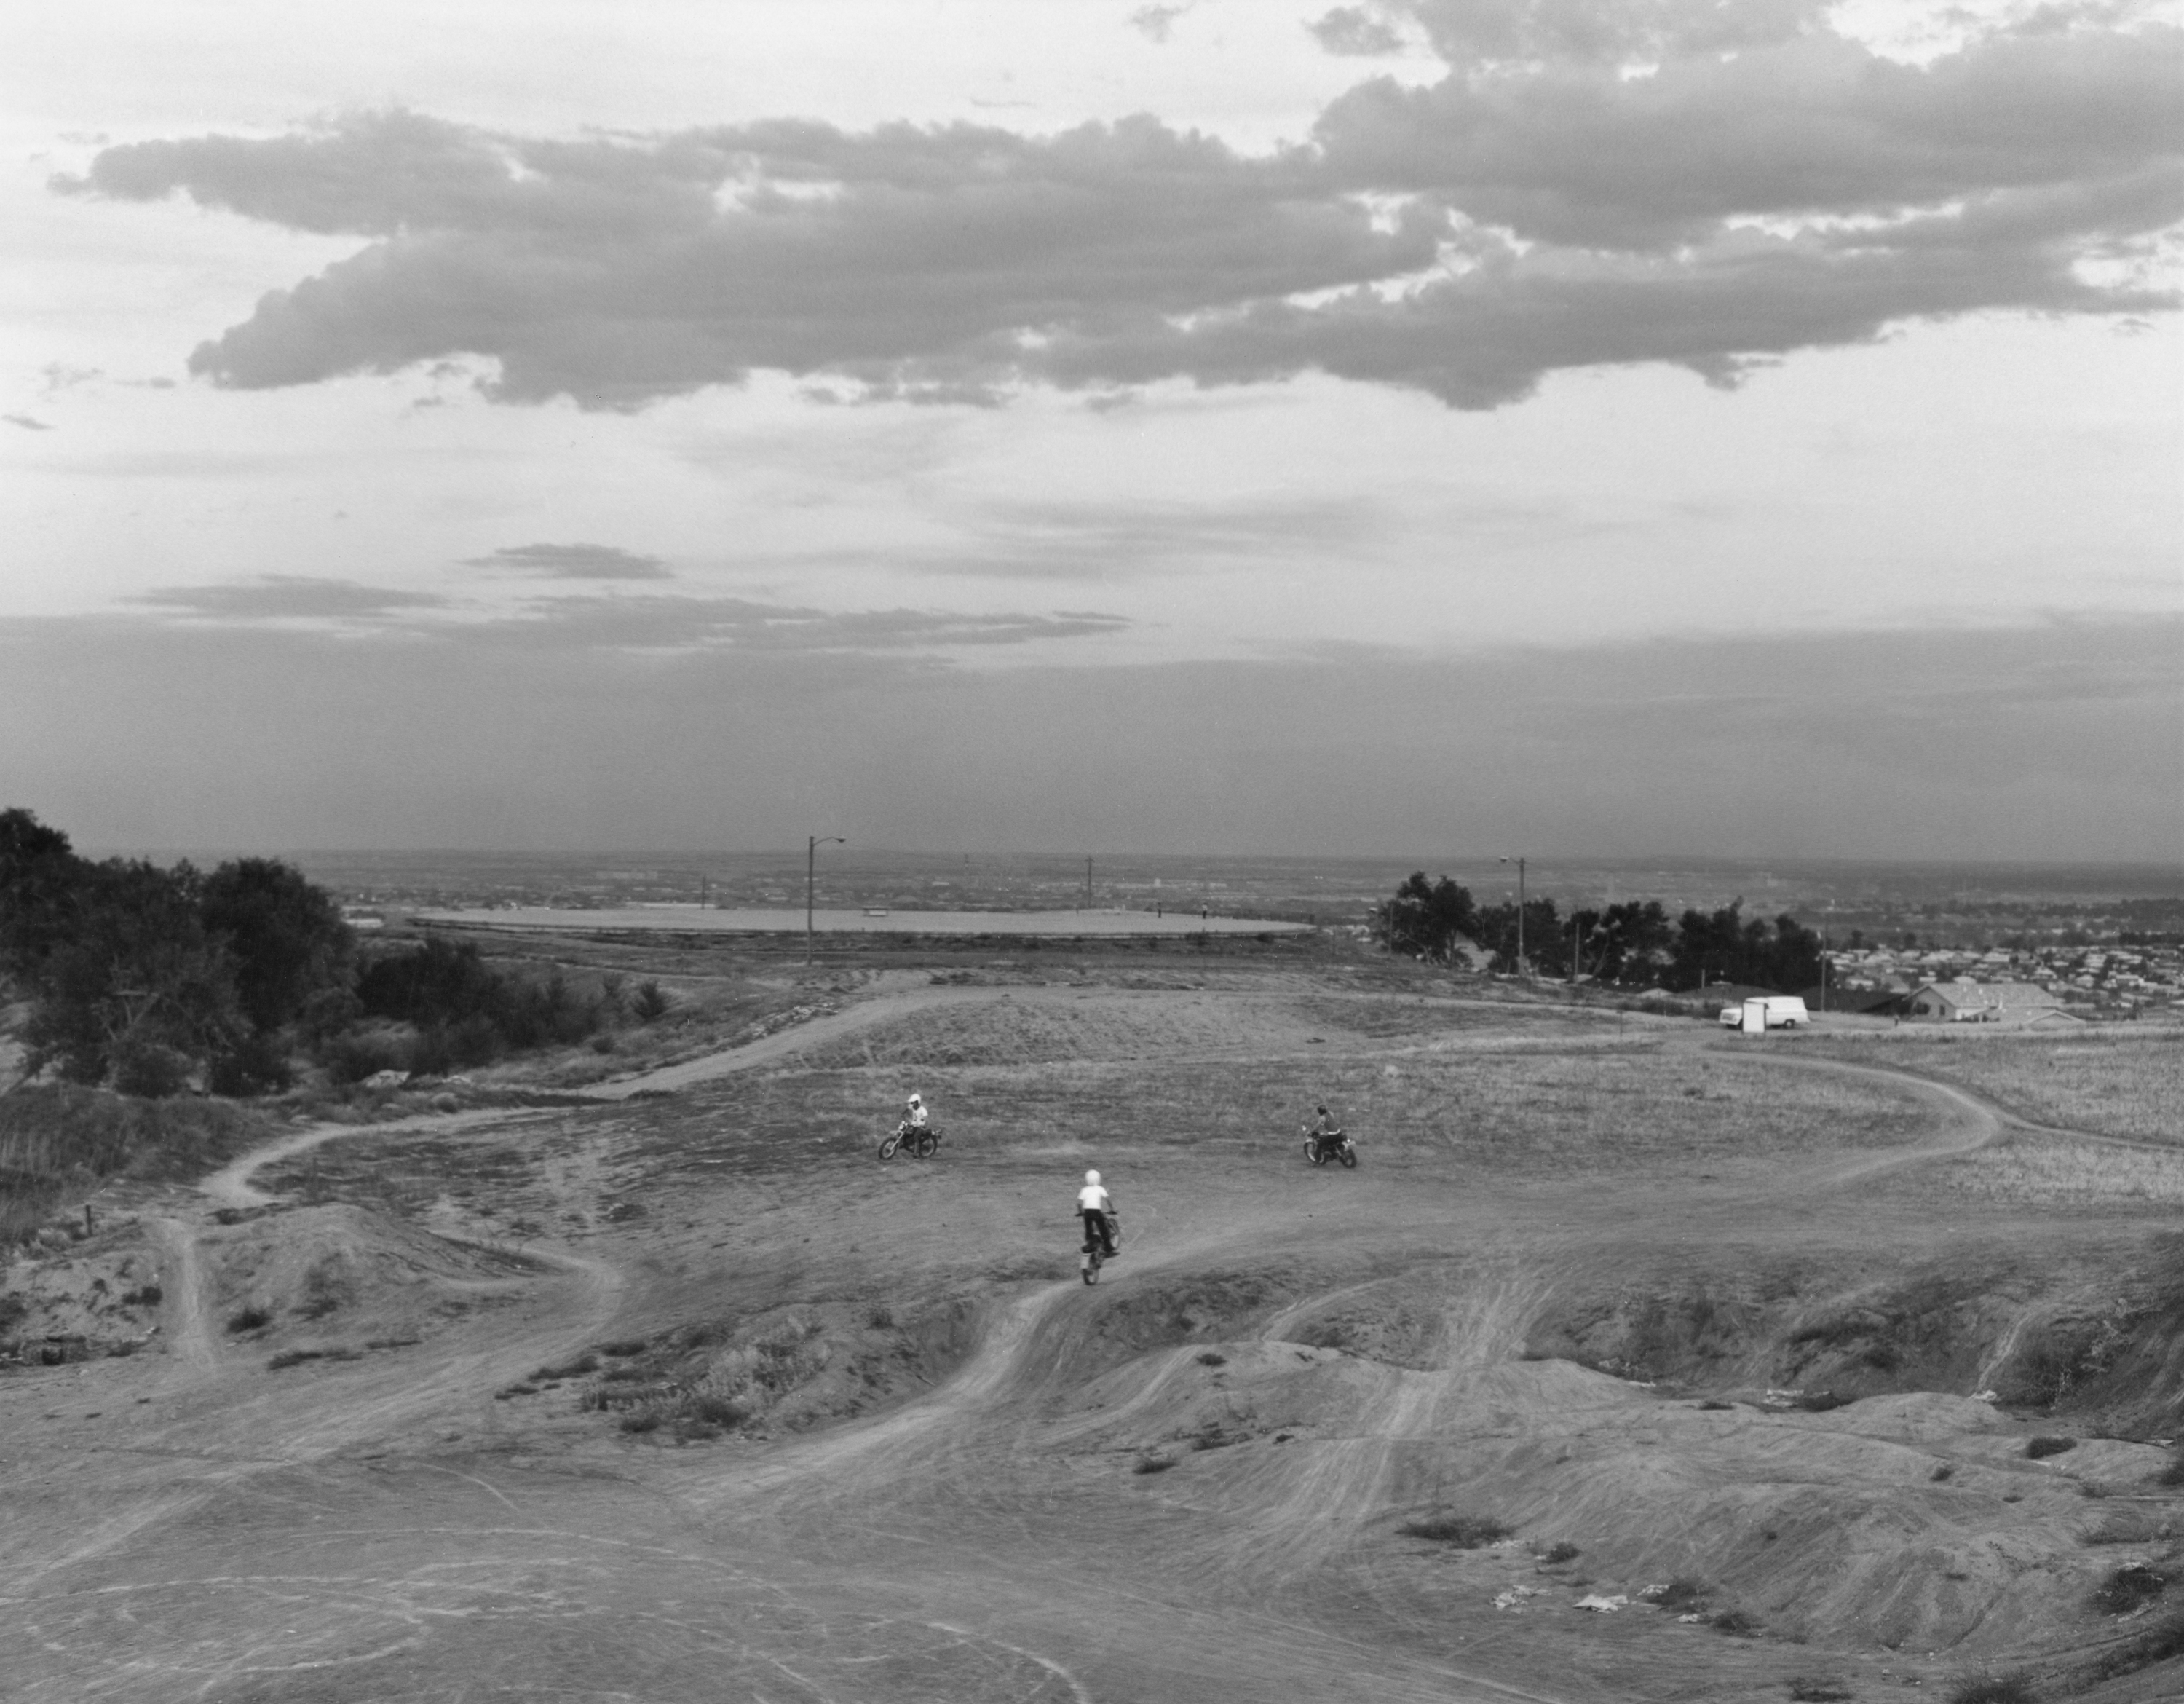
pixel 2106 981
pixel 1890 931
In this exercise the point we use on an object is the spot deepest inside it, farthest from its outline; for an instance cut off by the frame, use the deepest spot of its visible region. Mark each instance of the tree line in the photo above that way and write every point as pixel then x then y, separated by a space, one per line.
pixel 147 979
pixel 1632 943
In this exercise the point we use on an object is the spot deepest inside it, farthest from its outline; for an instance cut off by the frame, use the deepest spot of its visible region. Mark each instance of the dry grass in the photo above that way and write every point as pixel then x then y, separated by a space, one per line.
pixel 59 1141
pixel 1007 1033
pixel 2121 1080
pixel 1525 1111
pixel 2060 1171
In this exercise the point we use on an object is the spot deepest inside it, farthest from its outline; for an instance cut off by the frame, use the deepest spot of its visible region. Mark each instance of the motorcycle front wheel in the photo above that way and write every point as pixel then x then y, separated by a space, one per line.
pixel 1090 1267
pixel 889 1147
pixel 1311 1152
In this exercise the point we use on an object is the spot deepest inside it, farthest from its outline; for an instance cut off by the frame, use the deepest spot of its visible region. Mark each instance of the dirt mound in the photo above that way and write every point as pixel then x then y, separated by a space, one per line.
pixel 1202 1308
pixel 784 1369
pixel 2102 1343
pixel 346 1273
pixel 1401 1321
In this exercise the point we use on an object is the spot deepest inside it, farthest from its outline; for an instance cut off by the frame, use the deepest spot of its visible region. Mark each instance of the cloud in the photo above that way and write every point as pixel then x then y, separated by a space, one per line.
pixel 1113 541
pixel 747 626
pixel 649 624
pixel 286 597
pixel 1817 126
pixel 1354 31
pixel 1157 23
pixel 1602 33
pixel 574 562
pixel 1708 186
pixel 26 422
pixel 58 376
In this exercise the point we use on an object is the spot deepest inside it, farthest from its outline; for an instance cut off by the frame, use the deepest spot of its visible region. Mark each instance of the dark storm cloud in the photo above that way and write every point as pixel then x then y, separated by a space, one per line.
pixel 286 597
pixel 574 562
pixel 1759 185
pixel 2060 740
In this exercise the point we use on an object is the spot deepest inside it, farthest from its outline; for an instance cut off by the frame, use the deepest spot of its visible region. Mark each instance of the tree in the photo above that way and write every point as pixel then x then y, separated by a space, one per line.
pixel 1632 941
pixel 137 977
pixel 286 938
pixel 1426 920
pixel 1723 946
pixel 38 876
pixel 1547 937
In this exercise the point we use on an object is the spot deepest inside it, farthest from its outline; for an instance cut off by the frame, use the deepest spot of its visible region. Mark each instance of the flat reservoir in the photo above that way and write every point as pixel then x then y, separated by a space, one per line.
pixel 686 919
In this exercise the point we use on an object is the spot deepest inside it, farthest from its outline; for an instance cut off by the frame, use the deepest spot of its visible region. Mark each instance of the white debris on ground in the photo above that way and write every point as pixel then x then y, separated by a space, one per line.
pixel 1604 1606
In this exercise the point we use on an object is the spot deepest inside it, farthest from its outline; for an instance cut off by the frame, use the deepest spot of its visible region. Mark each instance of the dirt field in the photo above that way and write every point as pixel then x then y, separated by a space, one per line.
pixel 1633 1361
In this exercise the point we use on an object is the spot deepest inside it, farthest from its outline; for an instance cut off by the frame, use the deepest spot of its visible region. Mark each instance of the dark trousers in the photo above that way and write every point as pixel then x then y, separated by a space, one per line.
pixel 1096 1225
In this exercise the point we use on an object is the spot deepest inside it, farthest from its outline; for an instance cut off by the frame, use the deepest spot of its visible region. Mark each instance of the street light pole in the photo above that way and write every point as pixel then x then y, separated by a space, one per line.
pixel 1519 863
pixel 811 844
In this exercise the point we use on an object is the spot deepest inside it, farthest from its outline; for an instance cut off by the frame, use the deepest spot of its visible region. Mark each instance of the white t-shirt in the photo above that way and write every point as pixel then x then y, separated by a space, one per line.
pixel 1092 1198
pixel 915 1117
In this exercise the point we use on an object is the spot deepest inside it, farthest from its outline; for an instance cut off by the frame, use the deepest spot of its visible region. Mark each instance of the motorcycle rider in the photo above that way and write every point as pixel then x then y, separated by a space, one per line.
pixel 1097 1210
pixel 913 1117
pixel 1326 1136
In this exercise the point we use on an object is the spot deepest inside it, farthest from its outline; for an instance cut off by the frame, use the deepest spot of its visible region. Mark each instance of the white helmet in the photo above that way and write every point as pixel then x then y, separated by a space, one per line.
pixel 914 1101
pixel 1091 1177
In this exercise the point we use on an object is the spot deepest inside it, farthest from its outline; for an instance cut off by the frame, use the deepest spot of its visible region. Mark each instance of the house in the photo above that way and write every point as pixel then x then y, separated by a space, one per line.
pixel 1872 1002
pixel 1962 1001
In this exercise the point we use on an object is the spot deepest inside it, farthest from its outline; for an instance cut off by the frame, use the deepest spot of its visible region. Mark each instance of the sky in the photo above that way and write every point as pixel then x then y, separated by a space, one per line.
pixel 1722 427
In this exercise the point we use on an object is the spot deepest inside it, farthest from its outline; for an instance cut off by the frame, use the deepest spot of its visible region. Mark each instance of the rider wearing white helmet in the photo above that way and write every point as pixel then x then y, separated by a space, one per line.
pixel 1097 1209
pixel 913 1113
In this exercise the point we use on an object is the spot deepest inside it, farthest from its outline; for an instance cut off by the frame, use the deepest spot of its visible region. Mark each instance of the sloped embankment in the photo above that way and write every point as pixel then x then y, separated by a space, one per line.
pixel 2099 1339
pixel 337 1273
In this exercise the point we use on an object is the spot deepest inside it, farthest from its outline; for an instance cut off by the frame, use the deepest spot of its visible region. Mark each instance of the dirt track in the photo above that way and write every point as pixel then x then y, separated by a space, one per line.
pixel 382 1528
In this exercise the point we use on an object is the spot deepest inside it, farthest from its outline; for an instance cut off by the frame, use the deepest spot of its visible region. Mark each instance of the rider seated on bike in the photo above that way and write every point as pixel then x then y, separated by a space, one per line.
pixel 913 1117
pixel 1326 1136
pixel 1097 1209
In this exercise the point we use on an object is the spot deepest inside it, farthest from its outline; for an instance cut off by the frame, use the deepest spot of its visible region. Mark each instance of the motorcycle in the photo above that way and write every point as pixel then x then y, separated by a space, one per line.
pixel 1334 1145
pixel 1094 1251
pixel 911 1140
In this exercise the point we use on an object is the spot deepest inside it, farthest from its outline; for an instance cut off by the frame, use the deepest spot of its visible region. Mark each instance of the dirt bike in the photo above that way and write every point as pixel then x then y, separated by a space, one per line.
pixel 1334 1145
pixel 918 1144
pixel 1093 1252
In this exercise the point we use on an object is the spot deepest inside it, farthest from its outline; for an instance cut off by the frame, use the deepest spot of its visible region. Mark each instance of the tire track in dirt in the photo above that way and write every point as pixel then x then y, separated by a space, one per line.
pixel 230 1186
pixel 185 1323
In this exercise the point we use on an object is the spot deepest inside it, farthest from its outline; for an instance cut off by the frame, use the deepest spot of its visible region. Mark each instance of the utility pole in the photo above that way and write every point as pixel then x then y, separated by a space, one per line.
pixel 811 844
